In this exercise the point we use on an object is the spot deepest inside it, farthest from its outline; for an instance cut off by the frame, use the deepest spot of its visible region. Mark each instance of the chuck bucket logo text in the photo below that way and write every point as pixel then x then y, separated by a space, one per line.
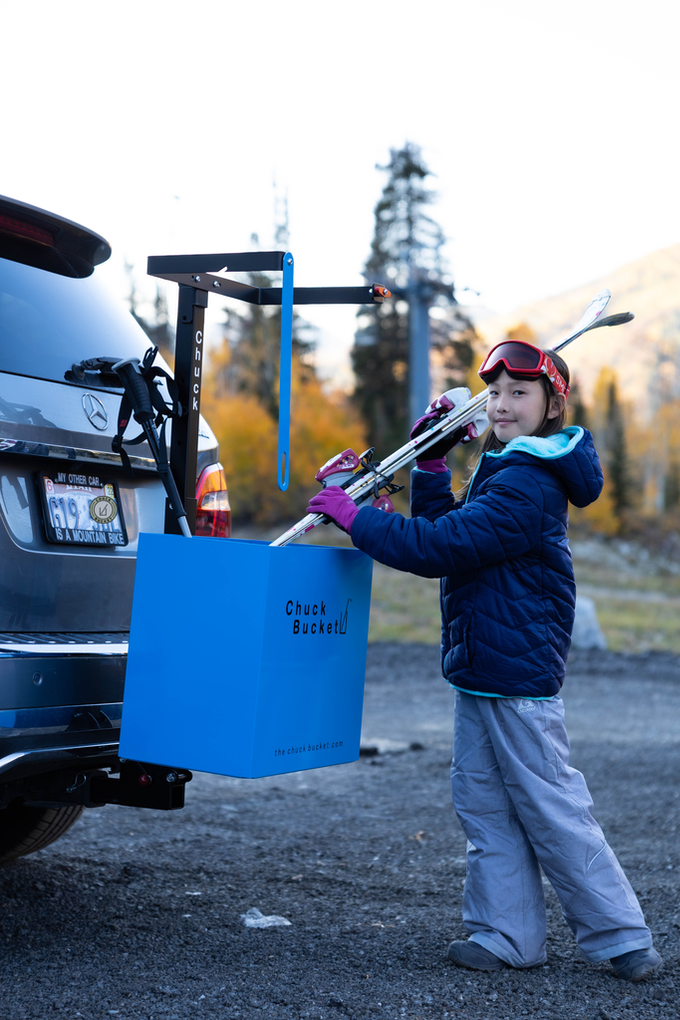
pixel 313 618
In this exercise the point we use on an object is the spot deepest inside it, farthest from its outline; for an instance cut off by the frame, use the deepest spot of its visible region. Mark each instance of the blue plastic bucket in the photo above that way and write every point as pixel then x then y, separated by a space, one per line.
pixel 244 659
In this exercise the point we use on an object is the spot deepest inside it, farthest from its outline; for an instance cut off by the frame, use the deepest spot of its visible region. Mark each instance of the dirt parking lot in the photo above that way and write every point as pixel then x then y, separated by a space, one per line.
pixel 139 914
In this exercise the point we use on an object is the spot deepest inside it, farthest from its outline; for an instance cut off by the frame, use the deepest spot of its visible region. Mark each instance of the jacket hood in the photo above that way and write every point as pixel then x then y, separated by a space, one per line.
pixel 569 454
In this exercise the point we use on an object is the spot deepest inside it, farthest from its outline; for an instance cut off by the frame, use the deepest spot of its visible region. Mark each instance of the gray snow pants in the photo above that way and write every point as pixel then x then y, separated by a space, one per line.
pixel 521 806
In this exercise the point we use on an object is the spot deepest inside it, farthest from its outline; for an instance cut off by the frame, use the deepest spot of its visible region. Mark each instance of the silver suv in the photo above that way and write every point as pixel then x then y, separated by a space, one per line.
pixel 70 516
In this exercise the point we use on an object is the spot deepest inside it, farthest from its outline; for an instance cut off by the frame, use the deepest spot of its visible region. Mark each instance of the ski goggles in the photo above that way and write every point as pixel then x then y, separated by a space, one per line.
pixel 523 360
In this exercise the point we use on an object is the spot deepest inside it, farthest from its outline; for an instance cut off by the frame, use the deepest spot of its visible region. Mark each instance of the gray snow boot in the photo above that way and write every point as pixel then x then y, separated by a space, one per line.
pixel 476 957
pixel 636 965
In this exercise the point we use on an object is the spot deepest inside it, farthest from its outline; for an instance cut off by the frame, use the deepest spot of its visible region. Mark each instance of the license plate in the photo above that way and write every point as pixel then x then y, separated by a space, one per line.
pixel 81 509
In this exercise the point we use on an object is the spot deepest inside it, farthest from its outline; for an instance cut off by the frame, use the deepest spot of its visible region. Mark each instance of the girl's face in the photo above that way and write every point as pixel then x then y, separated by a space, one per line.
pixel 517 407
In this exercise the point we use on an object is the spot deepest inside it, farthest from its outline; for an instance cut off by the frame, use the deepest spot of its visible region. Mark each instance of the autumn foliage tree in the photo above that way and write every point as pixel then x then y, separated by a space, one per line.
pixel 241 393
pixel 321 426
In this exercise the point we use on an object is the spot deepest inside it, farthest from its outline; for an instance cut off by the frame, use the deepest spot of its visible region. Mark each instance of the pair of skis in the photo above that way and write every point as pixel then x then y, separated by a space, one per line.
pixel 362 478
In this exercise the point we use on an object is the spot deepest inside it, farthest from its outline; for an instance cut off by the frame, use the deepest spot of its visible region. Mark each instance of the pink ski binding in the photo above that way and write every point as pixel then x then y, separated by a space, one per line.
pixel 338 469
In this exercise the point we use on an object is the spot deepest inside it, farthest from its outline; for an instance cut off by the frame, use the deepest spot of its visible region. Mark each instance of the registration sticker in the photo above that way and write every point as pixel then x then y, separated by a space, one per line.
pixel 81 509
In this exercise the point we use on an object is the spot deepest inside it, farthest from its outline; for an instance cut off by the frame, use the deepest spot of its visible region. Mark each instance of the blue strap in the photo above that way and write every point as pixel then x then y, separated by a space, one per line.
pixel 286 359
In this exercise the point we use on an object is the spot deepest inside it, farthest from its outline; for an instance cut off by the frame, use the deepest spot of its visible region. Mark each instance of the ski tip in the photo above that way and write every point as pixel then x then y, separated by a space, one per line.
pixel 619 318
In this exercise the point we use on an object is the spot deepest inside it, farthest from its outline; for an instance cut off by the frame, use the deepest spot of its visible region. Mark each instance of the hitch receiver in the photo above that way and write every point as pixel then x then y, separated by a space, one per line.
pixel 139 785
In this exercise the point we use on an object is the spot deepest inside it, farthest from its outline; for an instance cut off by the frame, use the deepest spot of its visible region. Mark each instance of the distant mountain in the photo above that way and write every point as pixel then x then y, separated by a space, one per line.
pixel 648 287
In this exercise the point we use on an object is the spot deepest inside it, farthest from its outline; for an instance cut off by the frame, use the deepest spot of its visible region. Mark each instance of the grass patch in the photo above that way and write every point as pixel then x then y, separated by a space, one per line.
pixel 639 626
pixel 605 575
pixel 404 607
pixel 632 624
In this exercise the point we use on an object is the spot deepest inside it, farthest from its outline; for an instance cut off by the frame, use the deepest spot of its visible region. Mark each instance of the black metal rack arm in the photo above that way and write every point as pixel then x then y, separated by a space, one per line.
pixel 233 262
pixel 188 373
pixel 326 295
pixel 224 287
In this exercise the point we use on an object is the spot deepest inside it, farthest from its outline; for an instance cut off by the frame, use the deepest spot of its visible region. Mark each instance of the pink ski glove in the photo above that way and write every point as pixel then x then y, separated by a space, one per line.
pixel 336 504
pixel 434 458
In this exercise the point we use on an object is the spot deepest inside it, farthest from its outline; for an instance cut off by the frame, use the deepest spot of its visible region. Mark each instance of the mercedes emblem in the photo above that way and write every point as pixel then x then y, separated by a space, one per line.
pixel 95 411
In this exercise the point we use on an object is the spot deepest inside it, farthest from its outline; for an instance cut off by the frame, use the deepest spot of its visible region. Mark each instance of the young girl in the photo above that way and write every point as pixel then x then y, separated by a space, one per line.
pixel 507 604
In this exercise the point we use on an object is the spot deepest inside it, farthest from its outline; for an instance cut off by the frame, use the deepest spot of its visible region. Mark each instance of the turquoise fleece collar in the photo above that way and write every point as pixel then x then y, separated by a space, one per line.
pixel 545 447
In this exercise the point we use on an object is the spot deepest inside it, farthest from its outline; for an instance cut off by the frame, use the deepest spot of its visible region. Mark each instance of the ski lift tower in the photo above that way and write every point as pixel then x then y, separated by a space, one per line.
pixel 421 293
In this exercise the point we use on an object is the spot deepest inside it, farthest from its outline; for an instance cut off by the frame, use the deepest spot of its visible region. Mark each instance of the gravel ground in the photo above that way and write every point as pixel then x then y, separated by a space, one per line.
pixel 138 913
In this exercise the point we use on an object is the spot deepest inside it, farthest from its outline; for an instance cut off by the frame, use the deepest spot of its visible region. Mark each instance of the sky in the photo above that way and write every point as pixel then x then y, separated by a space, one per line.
pixel 550 128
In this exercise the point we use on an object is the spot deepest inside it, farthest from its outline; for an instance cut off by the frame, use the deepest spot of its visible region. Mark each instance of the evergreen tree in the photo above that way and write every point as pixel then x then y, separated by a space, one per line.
pixel 671 494
pixel 617 456
pixel 406 240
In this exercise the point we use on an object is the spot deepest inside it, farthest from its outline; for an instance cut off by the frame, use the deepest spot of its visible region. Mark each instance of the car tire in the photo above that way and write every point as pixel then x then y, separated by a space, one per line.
pixel 23 830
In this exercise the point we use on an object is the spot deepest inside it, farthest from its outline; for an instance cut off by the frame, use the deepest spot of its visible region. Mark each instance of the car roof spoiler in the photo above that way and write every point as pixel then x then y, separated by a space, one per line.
pixel 47 241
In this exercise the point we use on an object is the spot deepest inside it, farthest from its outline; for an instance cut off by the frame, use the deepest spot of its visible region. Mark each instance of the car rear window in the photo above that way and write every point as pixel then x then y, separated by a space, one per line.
pixel 50 322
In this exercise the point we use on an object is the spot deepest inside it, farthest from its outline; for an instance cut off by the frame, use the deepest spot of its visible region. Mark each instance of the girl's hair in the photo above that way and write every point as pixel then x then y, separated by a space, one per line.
pixel 548 426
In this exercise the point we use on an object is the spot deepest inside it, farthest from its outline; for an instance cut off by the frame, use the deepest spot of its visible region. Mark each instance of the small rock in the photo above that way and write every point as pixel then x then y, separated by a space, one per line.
pixel 373 746
pixel 587 632
pixel 334 1001
pixel 254 918
pixel 368 752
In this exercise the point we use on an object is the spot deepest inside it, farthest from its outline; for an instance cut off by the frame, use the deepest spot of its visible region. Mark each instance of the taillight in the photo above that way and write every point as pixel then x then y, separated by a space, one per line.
pixel 213 513
pixel 8 225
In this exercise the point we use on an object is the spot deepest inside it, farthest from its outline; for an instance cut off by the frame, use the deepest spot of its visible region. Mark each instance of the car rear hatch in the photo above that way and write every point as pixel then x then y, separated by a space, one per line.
pixel 64 572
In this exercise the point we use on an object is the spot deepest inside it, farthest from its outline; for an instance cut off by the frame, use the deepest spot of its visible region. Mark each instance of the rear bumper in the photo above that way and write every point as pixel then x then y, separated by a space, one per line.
pixel 32 680
pixel 83 757
pixel 59 712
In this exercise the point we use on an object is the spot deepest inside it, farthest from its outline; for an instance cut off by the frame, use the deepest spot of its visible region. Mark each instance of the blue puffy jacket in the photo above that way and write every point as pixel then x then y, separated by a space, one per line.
pixel 507 589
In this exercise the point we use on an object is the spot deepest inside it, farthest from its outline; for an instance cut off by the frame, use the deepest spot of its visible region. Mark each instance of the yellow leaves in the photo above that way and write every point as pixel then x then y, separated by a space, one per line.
pixel 522 331
pixel 652 446
pixel 322 425
pixel 247 448
pixel 599 516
